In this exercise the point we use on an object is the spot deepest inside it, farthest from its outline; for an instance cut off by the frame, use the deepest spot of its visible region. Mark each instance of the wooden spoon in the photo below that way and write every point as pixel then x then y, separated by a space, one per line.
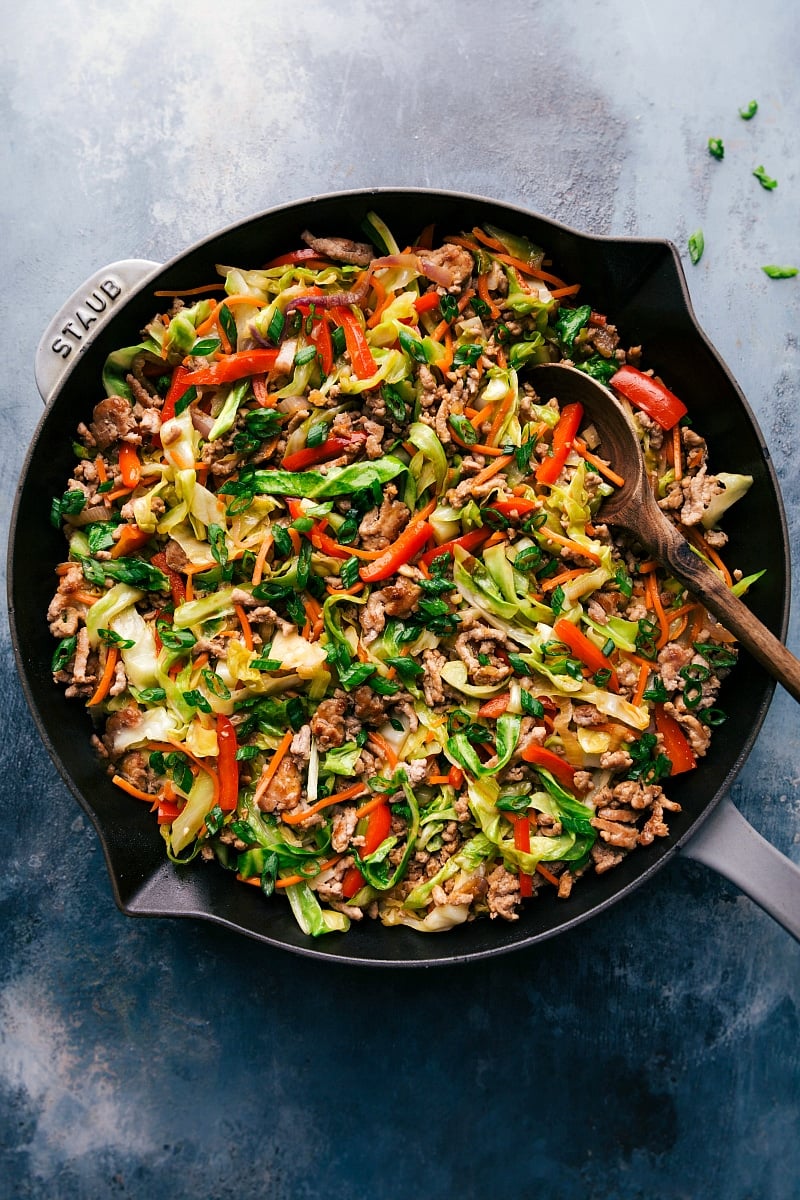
pixel 633 507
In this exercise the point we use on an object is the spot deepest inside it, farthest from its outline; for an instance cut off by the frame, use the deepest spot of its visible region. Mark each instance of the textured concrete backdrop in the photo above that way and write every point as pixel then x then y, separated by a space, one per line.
pixel 651 1053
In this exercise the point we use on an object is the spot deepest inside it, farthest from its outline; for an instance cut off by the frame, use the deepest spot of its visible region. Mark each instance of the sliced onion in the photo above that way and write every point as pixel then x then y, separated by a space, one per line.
pixel 202 422
pixel 285 360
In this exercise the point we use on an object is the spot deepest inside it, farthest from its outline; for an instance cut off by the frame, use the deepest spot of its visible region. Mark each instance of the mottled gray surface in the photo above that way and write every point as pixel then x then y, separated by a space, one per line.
pixel 652 1053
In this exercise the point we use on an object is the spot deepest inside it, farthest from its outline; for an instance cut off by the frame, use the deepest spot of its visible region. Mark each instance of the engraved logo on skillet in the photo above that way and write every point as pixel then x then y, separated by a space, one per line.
pixel 74 330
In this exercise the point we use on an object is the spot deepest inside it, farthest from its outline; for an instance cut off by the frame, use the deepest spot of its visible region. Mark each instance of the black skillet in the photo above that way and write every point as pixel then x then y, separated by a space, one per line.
pixel 640 285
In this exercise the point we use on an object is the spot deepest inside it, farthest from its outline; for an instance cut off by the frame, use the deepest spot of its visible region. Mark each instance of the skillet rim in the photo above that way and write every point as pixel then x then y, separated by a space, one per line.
pixel 137 905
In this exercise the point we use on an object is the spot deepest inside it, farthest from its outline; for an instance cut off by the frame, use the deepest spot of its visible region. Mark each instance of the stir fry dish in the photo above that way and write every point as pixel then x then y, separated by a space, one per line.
pixel 340 600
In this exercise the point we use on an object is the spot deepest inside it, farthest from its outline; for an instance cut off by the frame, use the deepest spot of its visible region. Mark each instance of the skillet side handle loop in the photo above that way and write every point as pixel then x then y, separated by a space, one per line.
pixel 82 316
pixel 730 845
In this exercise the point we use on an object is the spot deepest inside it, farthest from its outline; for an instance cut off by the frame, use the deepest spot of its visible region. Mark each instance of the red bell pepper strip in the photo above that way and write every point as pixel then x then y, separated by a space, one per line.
pixel 676 745
pixel 649 395
pixel 540 756
pixel 176 584
pixel 358 348
pixel 522 841
pixel 402 551
pixel 495 707
pixel 584 649
pixel 321 337
pixel 455 778
pixel 518 506
pixel 176 390
pixel 425 303
pixel 352 882
pixel 168 812
pixel 468 541
pixel 332 448
pixel 227 764
pixel 568 425
pixel 232 367
pixel 379 826
pixel 305 256
pixel 129 465
pixel 322 541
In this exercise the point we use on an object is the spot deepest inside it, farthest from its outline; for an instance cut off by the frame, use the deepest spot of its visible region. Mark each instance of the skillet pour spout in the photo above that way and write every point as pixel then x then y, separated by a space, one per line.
pixel 640 282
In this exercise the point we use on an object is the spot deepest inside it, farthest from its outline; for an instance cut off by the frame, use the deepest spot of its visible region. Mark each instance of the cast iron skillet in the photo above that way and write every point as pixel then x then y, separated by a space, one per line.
pixel 639 283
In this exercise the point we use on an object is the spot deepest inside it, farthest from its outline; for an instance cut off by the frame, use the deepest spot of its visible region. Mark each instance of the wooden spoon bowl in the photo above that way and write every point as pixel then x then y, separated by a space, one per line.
pixel 633 507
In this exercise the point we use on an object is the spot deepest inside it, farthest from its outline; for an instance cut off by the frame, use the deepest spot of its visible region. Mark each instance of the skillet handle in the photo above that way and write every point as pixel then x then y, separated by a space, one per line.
pixel 75 324
pixel 729 844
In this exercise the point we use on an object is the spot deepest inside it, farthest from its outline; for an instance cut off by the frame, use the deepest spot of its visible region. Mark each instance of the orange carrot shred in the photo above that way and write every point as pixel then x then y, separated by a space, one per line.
pixel 107 678
pixel 275 762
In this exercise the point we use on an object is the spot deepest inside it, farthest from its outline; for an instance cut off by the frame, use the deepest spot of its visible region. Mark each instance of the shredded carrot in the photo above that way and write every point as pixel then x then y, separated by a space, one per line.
pixel 644 673
pixel 361 653
pixel 297 818
pixel 546 874
pixel 519 265
pixel 483 292
pixel 351 591
pixel 422 514
pixel 290 880
pixel 189 587
pixel 367 555
pixel 674 613
pixel 499 535
pixel 646 568
pixel 268 772
pixel 486 240
pixel 444 364
pixel 109 496
pixel 247 632
pixel 556 580
pixel 378 289
pixel 677 633
pixel 478 447
pixel 84 597
pixel 462 241
pixel 107 678
pixel 380 743
pixel 100 467
pixel 502 412
pixel 229 302
pixel 584 452
pixel 443 326
pixel 677 457
pixel 261 558
pixel 572 290
pixel 702 545
pixel 560 540
pixel 150 797
pixel 368 807
pixel 438 779
pixel 651 587
pixel 498 465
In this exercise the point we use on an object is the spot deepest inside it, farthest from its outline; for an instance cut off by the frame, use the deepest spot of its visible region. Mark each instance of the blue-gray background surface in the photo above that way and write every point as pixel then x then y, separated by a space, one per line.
pixel 650 1053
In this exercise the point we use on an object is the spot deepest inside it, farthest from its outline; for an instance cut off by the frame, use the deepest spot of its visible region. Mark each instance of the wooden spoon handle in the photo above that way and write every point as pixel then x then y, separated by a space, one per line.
pixel 667 544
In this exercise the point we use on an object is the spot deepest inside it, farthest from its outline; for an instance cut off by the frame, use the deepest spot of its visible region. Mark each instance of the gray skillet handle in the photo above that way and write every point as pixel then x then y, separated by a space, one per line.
pixel 732 847
pixel 81 317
